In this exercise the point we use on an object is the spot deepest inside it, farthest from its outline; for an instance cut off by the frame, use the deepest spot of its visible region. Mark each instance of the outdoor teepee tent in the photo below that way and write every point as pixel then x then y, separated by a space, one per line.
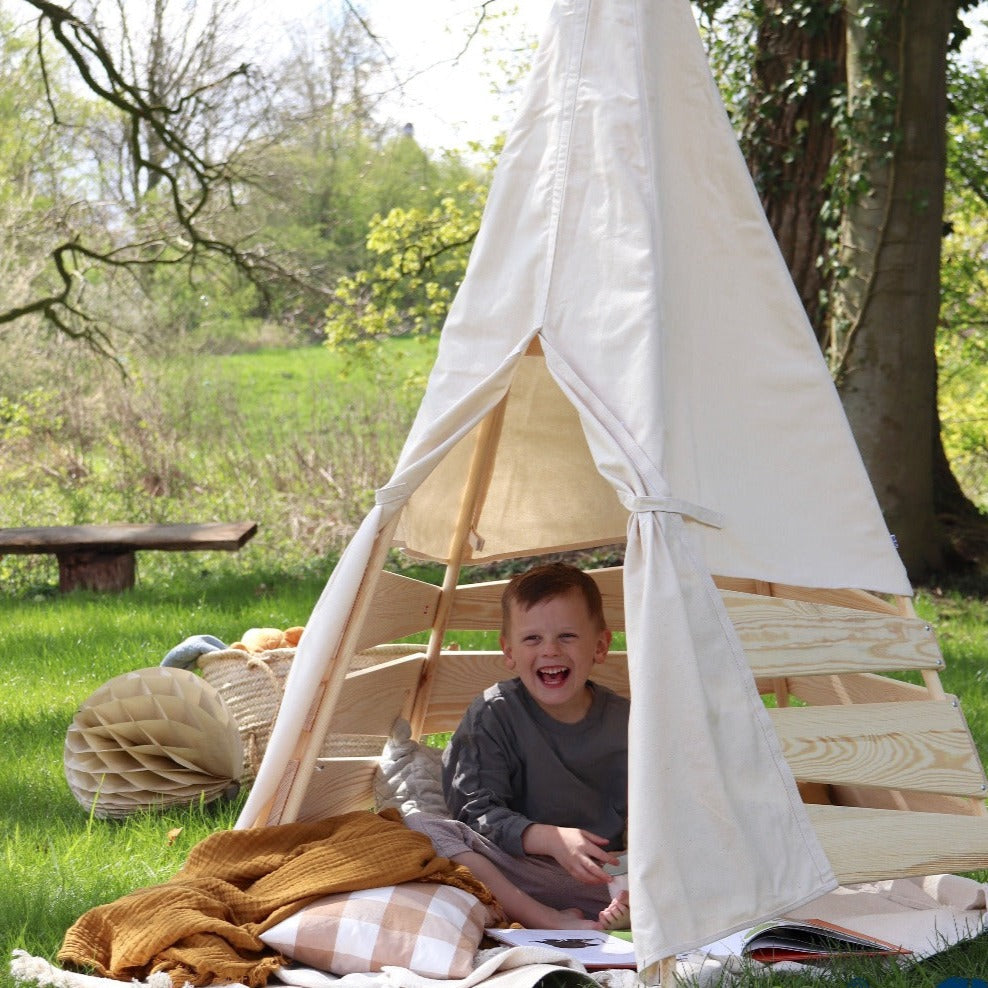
pixel 627 361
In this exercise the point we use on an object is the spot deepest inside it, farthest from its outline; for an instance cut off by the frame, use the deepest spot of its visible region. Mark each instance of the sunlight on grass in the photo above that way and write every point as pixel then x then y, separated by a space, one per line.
pixel 271 435
pixel 58 861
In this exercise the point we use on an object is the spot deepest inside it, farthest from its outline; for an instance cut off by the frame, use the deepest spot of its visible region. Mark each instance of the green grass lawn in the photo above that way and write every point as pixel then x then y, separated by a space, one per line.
pixel 58 861
pixel 296 440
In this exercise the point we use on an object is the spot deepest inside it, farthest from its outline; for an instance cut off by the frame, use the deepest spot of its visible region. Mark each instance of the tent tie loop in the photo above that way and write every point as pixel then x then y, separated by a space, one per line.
pixel 672 505
pixel 393 492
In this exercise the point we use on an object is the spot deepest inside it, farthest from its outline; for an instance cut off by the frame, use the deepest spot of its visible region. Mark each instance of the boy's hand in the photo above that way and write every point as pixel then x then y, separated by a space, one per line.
pixel 580 852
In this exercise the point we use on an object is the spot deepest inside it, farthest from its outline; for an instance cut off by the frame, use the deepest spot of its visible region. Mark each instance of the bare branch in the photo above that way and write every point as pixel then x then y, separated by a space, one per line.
pixel 197 184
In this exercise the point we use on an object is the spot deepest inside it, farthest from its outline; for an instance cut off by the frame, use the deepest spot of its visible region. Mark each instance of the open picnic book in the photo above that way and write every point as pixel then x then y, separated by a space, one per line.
pixel 592 948
pixel 810 940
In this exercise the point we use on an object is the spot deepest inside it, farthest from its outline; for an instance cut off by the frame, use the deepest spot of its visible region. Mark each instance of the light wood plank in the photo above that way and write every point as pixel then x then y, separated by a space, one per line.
pixel 458 677
pixel 854 688
pixel 855 600
pixel 477 606
pixel 610 582
pixel 791 637
pixel 400 606
pixel 372 699
pixel 866 845
pixel 895 799
pixel 921 746
pixel 868 688
pixel 338 785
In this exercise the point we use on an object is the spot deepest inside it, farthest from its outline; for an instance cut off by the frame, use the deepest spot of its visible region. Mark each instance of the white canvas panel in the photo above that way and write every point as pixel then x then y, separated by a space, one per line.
pixel 542 491
pixel 622 223
pixel 718 833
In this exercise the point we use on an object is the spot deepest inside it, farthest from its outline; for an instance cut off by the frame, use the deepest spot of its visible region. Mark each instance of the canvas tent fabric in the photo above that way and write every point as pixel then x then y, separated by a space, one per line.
pixel 627 359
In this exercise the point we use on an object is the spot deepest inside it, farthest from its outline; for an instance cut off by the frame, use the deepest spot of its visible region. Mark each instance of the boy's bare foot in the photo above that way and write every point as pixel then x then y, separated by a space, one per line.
pixel 568 919
pixel 518 905
pixel 616 916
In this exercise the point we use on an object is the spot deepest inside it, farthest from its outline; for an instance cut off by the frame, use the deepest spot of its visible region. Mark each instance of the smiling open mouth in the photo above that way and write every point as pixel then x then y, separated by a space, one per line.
pixel 553 675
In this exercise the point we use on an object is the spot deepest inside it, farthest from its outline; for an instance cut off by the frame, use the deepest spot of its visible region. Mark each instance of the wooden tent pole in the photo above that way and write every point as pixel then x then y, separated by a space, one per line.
pixel 931 678
pixel 299 770
pixel 473 490
pixel 667 972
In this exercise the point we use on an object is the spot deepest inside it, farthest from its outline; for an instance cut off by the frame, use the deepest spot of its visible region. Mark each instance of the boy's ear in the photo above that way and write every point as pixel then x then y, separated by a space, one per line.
pixel 603 645
pixel 506 648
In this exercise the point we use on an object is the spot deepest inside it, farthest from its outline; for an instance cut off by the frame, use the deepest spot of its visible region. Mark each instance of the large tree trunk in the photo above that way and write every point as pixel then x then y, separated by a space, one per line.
pixel 790 143
pixel 887 306
pixel 881 343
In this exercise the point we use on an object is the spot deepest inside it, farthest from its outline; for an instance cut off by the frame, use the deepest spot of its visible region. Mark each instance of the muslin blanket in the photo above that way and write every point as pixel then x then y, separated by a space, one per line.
pixel 202 925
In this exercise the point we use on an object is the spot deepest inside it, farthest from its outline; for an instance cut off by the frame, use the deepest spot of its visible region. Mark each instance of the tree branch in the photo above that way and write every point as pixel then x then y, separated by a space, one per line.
pixel 193 181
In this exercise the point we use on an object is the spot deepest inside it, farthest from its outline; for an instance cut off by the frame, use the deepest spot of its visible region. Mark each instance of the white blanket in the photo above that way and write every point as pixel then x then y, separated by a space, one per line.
pixel 924 915
pixel 502 967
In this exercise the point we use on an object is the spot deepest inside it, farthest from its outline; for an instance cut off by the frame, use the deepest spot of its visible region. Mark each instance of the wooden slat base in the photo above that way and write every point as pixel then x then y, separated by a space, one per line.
pixel 866 845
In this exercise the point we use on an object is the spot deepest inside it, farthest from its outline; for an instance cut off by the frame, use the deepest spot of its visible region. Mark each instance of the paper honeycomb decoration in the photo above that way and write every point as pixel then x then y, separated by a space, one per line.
pixel 151 739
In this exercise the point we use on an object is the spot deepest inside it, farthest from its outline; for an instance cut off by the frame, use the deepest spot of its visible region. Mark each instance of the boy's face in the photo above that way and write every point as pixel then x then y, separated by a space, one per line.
pixel 552 647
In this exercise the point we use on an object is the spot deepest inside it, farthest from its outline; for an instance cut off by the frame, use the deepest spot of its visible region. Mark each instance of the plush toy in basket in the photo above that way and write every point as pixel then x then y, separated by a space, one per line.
pixel 268 639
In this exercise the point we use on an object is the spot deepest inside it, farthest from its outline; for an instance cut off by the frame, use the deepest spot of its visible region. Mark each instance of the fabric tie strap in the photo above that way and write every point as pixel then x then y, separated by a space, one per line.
pixel 394 492
pixel 674 506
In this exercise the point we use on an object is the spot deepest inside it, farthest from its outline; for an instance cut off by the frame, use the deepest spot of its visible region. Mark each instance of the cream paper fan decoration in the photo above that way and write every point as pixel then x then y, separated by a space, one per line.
pixel 151 738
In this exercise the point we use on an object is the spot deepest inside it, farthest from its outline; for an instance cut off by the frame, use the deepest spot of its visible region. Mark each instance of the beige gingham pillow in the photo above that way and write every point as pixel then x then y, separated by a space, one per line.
pixel 431 929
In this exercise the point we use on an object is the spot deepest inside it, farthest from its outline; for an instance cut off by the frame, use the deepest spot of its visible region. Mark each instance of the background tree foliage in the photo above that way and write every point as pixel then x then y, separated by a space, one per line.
pixel 161 185
pixel 962 337
pixel 196 187
pixel 844 120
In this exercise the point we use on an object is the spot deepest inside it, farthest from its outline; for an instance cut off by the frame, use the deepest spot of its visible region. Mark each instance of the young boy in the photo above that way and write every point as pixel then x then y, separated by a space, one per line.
pixel 536 774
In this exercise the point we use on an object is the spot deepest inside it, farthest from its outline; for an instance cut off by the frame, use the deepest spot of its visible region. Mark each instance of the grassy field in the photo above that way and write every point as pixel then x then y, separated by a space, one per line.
pixel 258 436
pixel 293 439
pixel 58 861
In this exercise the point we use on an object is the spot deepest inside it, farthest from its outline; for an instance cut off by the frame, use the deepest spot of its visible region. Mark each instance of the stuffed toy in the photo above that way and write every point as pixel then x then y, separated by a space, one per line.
pixel 266 639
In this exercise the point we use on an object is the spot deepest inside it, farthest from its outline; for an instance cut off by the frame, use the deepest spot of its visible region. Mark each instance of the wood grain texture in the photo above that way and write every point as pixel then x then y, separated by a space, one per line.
pixel 854 688
pixel 372 699
pixel 338 785
pixel 792 637
pixel 866 845
pixel 914 745
pixel 400 606
pixel 225 536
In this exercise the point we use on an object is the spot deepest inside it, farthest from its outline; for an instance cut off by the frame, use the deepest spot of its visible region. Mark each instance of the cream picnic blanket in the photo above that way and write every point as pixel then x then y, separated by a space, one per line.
pixel 502 967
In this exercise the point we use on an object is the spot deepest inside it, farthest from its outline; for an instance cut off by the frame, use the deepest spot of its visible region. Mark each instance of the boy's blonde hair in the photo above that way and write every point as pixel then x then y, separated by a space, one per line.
pixel 548 581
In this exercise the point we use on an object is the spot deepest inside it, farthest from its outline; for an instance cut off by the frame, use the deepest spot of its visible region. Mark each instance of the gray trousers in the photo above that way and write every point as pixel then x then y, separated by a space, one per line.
pixel 543 878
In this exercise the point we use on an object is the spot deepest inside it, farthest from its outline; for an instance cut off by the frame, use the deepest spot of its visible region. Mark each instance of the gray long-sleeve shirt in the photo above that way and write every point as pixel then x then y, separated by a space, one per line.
pixel 510 764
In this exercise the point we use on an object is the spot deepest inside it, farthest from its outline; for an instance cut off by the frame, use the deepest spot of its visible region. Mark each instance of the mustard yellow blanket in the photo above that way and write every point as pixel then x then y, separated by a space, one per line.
pixel 202 925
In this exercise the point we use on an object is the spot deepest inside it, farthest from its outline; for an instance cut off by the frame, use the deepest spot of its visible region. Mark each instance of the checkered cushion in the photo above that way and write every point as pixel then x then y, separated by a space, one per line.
pixel 431 929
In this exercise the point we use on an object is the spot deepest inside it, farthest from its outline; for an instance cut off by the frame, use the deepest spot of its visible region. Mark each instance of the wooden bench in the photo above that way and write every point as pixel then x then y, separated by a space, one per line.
pixel 102 557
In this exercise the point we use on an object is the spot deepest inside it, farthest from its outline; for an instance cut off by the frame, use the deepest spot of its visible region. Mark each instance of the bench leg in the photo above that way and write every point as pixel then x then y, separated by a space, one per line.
pixel 95 570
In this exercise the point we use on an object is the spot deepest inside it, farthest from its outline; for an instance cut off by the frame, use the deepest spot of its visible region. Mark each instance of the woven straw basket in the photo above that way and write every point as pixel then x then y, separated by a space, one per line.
pixel 252 686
